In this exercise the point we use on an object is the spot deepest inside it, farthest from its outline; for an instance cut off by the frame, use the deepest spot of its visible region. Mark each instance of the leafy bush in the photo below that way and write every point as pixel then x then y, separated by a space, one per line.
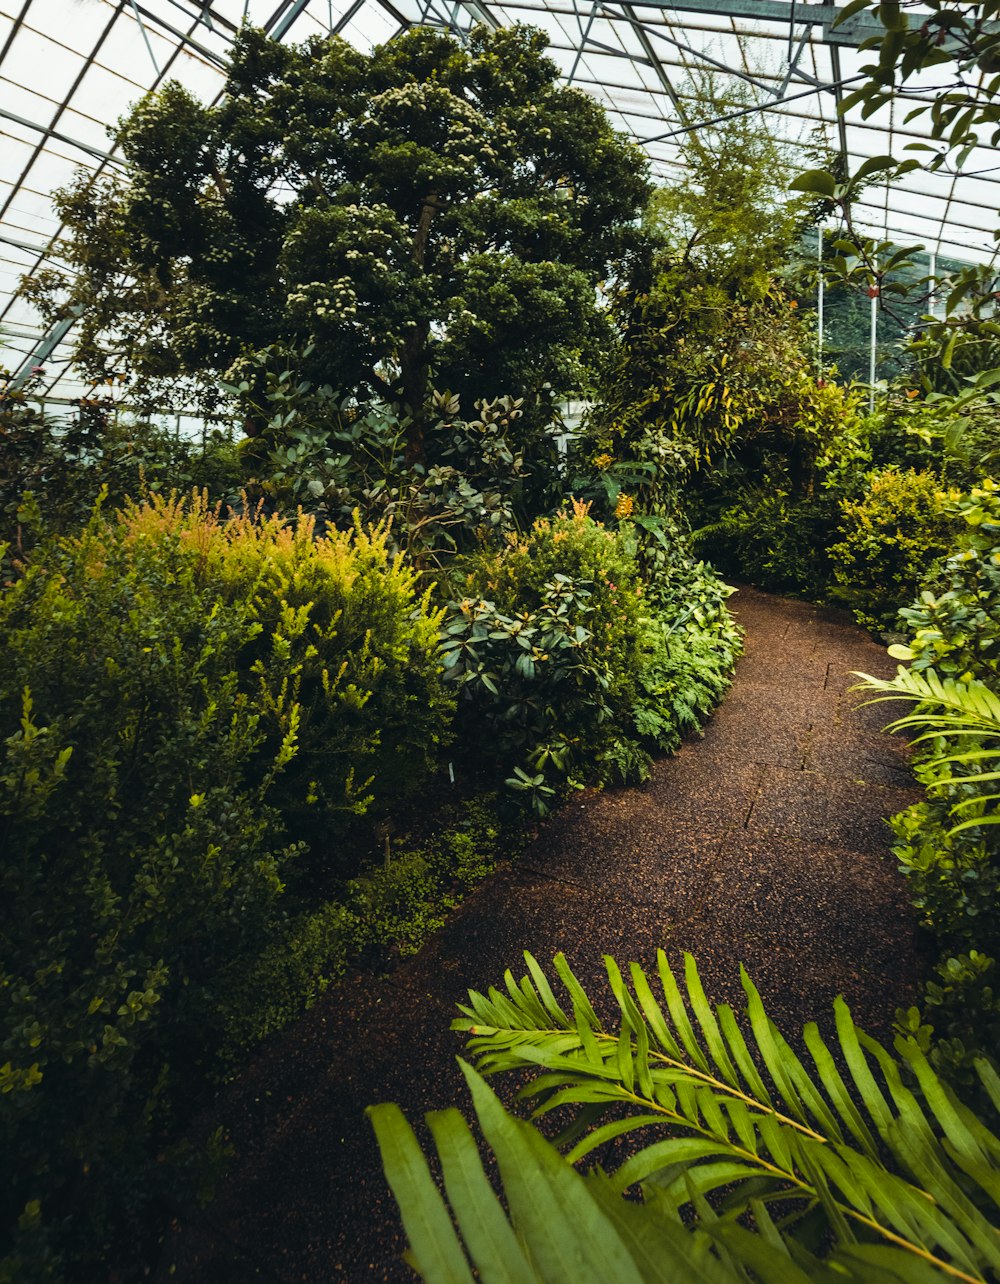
pixel 890 538
pixel 958 1024
pixel 949 848
pixel 178 694
pixel 771 537
pixel 387 912
pixel 570 668
pixel 544 650
pixel 339 649
pixel 744 1162
pixel 955 622
pixel 326 454
pixel 954 878
pixel 303 957
pixel 689 643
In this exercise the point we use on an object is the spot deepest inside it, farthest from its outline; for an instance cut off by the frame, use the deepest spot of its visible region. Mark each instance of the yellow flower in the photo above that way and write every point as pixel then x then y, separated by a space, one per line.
pixel 624 506
pixel 603 461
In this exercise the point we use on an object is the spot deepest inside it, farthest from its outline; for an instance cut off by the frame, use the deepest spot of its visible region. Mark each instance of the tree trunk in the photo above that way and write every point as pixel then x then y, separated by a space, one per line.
pixel 414 368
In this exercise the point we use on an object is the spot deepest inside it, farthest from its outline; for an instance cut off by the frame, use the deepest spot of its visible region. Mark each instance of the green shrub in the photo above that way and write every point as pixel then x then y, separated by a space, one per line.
pixel 303 957
pixel 387 912
pixel 891 536
pixel 339 651
pixel 545 650
pixel 948 846
pixel 959 1023
pixel 689 643
pixel 176 694
pixel 398 904
pixel 770 537
pixel 954 878
pixel 955 622
pixel 572 669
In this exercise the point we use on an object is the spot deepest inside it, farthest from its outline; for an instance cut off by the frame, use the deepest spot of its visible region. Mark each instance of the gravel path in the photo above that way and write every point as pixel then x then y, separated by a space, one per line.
pixel 763 842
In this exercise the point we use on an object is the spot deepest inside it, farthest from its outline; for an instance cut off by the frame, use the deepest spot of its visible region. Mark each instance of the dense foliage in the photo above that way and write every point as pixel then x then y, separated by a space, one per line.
pixel 333 458
pixel 890 537
pixel 948 845
pixel 711 395
pixel 838 1170
pixel 53 468
pixel 431 206
pixel 566 664
pixel 183 701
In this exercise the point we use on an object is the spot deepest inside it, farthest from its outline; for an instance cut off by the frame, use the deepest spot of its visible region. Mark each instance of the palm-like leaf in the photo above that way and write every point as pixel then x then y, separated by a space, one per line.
pixel 950 708
pixel 906 1191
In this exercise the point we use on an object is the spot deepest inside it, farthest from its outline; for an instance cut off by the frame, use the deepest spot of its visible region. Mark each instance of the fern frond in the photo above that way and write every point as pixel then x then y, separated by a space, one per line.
pixel 881 1165
pixel 950 709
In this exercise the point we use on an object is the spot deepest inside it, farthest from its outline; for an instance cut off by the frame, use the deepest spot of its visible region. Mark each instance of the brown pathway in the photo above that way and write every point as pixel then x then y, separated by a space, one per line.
pixel 762 843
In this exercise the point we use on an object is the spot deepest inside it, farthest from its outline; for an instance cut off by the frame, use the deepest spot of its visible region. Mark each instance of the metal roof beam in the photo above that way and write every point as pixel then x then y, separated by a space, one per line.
pixel 852 32
pixel 46 348
pixel 60 137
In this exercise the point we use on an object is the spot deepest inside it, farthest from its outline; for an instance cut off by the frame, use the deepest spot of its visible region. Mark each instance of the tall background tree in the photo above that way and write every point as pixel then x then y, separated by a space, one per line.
pixel 432 212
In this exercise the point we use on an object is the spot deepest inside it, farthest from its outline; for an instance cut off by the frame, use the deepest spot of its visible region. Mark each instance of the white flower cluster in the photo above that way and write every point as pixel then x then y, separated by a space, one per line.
pixel 327 299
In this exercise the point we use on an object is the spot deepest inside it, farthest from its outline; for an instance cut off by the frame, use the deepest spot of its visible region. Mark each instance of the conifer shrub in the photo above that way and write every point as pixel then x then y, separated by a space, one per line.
pixel 890 538
pixel 183 700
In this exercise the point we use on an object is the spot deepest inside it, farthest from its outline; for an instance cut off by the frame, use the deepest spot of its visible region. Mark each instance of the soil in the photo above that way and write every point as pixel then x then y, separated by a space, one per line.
pixel 763 842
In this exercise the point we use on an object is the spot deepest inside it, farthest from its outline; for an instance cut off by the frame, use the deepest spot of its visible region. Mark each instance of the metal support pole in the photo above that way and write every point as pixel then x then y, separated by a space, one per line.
pixel 871 356
pixel 819 303
pixel 45 348
pixel 932 299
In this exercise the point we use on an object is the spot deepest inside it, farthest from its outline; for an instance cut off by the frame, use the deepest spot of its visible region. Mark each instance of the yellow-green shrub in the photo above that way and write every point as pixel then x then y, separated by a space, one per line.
pixel 890 537
pixel 178 695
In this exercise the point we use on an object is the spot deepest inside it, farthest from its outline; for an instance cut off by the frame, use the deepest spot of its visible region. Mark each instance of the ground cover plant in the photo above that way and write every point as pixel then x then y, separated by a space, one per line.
pixel 748 1164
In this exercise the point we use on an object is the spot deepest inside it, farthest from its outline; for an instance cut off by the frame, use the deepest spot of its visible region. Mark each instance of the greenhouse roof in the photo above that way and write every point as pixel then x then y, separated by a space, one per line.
pixel 71 68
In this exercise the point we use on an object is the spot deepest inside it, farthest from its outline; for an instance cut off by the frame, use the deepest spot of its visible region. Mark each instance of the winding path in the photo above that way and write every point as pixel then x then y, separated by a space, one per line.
pixel 764 842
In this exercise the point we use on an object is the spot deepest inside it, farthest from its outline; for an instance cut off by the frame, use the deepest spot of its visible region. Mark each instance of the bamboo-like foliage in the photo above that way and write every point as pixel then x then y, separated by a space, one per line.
pixel 949 708
pixel 863 1166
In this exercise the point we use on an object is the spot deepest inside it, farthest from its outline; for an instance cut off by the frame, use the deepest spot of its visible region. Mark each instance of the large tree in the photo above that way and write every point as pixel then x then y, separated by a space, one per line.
pixel 432 210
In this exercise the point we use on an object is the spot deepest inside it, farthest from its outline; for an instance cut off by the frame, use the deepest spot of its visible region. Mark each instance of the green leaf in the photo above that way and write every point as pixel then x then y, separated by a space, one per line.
pixel 435 1248
pixel 489 1237
pixel 570 1237
pixel 874 165
pixel 814 181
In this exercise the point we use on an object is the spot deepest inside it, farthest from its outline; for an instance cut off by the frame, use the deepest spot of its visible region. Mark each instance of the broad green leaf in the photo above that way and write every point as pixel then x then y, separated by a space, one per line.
pixel 489 1237
pixel 814 181
pixel 434 1247
pixel 567 1235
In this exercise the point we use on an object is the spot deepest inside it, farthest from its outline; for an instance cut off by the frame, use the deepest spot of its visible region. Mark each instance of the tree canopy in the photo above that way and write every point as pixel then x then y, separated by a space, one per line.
pixel 432 209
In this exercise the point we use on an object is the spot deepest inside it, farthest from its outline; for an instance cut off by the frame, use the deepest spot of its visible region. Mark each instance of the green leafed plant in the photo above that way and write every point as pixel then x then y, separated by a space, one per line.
pixel 965 710
pixel 750 1166
pixel 890 538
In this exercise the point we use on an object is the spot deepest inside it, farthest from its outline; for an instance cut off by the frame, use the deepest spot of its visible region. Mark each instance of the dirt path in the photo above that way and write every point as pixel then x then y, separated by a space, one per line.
pixel 762 843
